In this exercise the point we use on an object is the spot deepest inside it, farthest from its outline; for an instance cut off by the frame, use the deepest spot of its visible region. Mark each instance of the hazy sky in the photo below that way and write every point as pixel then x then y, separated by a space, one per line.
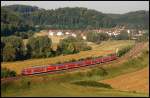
pixel 103 6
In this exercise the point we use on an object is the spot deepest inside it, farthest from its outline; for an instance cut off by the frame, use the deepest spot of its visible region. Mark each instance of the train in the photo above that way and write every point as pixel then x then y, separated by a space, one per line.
pixel 66 66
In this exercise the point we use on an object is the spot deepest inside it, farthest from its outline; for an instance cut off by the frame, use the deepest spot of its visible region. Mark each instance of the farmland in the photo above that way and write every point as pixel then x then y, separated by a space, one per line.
pixel 64 84
pixel 97 50
pixel 137 81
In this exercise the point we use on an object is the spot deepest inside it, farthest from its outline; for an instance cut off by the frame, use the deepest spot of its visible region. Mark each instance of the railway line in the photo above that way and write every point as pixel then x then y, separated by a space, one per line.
pixel 133 52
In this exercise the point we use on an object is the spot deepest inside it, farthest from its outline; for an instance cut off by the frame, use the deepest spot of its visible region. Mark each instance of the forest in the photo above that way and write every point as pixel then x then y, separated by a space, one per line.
pixel 23 18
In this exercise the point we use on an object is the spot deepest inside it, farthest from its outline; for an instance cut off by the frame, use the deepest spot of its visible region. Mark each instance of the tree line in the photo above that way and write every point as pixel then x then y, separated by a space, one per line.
pixel 13 47
pixel 21 18
pixel 97 37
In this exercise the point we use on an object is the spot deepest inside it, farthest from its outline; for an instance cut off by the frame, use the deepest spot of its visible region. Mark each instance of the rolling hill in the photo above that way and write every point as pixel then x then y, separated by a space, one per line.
pixel 67 18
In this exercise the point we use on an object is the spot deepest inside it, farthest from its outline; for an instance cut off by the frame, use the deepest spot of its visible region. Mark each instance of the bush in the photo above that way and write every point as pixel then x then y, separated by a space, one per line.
pixel 99 72
pixel 92 84
pixel 89 57
pixel 59 62
pixel 71 45
pixel 97 37
pixel 73 60
pixel 81 59
pixel 123 51
pixel 7 73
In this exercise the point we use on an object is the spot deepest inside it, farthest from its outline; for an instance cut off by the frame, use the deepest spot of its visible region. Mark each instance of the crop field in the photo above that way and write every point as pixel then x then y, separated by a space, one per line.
pixel 97 50
pixel 136 81
pixel 90 81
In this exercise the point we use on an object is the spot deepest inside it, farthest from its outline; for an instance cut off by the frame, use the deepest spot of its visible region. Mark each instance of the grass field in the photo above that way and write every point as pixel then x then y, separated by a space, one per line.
pixel 64 84
pixel 66 89
pixel 98 50
pixel 135 81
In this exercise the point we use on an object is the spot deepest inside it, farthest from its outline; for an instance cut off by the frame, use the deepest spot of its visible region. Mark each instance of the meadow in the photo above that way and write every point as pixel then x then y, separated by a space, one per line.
pixel 87 82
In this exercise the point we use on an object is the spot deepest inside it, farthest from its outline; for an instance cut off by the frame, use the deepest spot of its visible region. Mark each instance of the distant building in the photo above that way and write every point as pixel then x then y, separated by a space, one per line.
pixel 74 35
pixel 128 31
pixel 59 34
pixel 140 32
pixel 50 33
pixel 67 33
pixel 116 34
pixel 109 34
pixel 84 37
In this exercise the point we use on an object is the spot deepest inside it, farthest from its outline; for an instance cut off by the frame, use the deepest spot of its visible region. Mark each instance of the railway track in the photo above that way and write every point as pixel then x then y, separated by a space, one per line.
pixel 133 52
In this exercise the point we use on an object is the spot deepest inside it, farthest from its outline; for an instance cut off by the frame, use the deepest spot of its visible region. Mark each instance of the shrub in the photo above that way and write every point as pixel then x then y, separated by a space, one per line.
pixel 7 73
pixel 99 72
pixel 81 59
pixel 73 60
pixel 58 62
pixel 123 51
pixel 92 84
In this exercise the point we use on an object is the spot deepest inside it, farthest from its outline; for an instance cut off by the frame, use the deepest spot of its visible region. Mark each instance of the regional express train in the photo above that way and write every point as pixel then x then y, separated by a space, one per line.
pixel 65 66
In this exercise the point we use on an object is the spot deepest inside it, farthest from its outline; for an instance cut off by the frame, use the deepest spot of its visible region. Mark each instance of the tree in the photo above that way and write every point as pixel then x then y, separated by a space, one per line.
pixel 13 48
pixel 97 37
pixel 9 53
pixel 7 73
pixel 39 47
pixel 72 45
pixel 123 36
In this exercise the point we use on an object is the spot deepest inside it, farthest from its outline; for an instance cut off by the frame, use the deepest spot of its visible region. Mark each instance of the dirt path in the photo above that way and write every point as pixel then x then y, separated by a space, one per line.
pixel 136 81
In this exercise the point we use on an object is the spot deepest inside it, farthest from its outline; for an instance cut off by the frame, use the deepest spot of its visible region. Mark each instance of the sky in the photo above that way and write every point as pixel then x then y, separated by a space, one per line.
pixel 116 7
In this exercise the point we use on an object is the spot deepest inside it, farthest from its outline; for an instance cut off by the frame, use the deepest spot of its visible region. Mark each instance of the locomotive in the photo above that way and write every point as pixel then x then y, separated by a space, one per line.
pixel 65 66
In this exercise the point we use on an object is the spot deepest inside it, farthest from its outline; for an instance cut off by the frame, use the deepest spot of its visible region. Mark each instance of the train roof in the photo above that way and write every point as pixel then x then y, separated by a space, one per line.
pixel 75 62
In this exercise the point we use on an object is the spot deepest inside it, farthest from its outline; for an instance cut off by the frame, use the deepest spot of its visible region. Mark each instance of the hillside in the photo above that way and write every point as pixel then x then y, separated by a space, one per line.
pixel 69 18
pixel 65 84
pixel 137 81
pixel 132 19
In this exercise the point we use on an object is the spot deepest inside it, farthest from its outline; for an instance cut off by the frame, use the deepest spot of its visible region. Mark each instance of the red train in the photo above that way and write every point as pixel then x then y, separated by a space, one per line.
pixel 65 66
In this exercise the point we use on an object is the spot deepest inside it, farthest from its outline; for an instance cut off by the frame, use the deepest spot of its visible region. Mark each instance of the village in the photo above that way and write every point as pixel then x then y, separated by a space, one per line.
pixel 133 33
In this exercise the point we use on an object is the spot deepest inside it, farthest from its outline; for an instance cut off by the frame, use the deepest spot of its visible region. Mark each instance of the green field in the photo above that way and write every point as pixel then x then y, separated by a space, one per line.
pixel 65 84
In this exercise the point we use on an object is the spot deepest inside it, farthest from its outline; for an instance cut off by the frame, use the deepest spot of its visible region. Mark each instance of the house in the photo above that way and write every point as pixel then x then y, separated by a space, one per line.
pixel 50 33
pixel 128 31
pixel 74 35
pixel 109 34
pixel 84 37
pixel 116 34
pixel 59 33
pixel 67 33
pixel 140 32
